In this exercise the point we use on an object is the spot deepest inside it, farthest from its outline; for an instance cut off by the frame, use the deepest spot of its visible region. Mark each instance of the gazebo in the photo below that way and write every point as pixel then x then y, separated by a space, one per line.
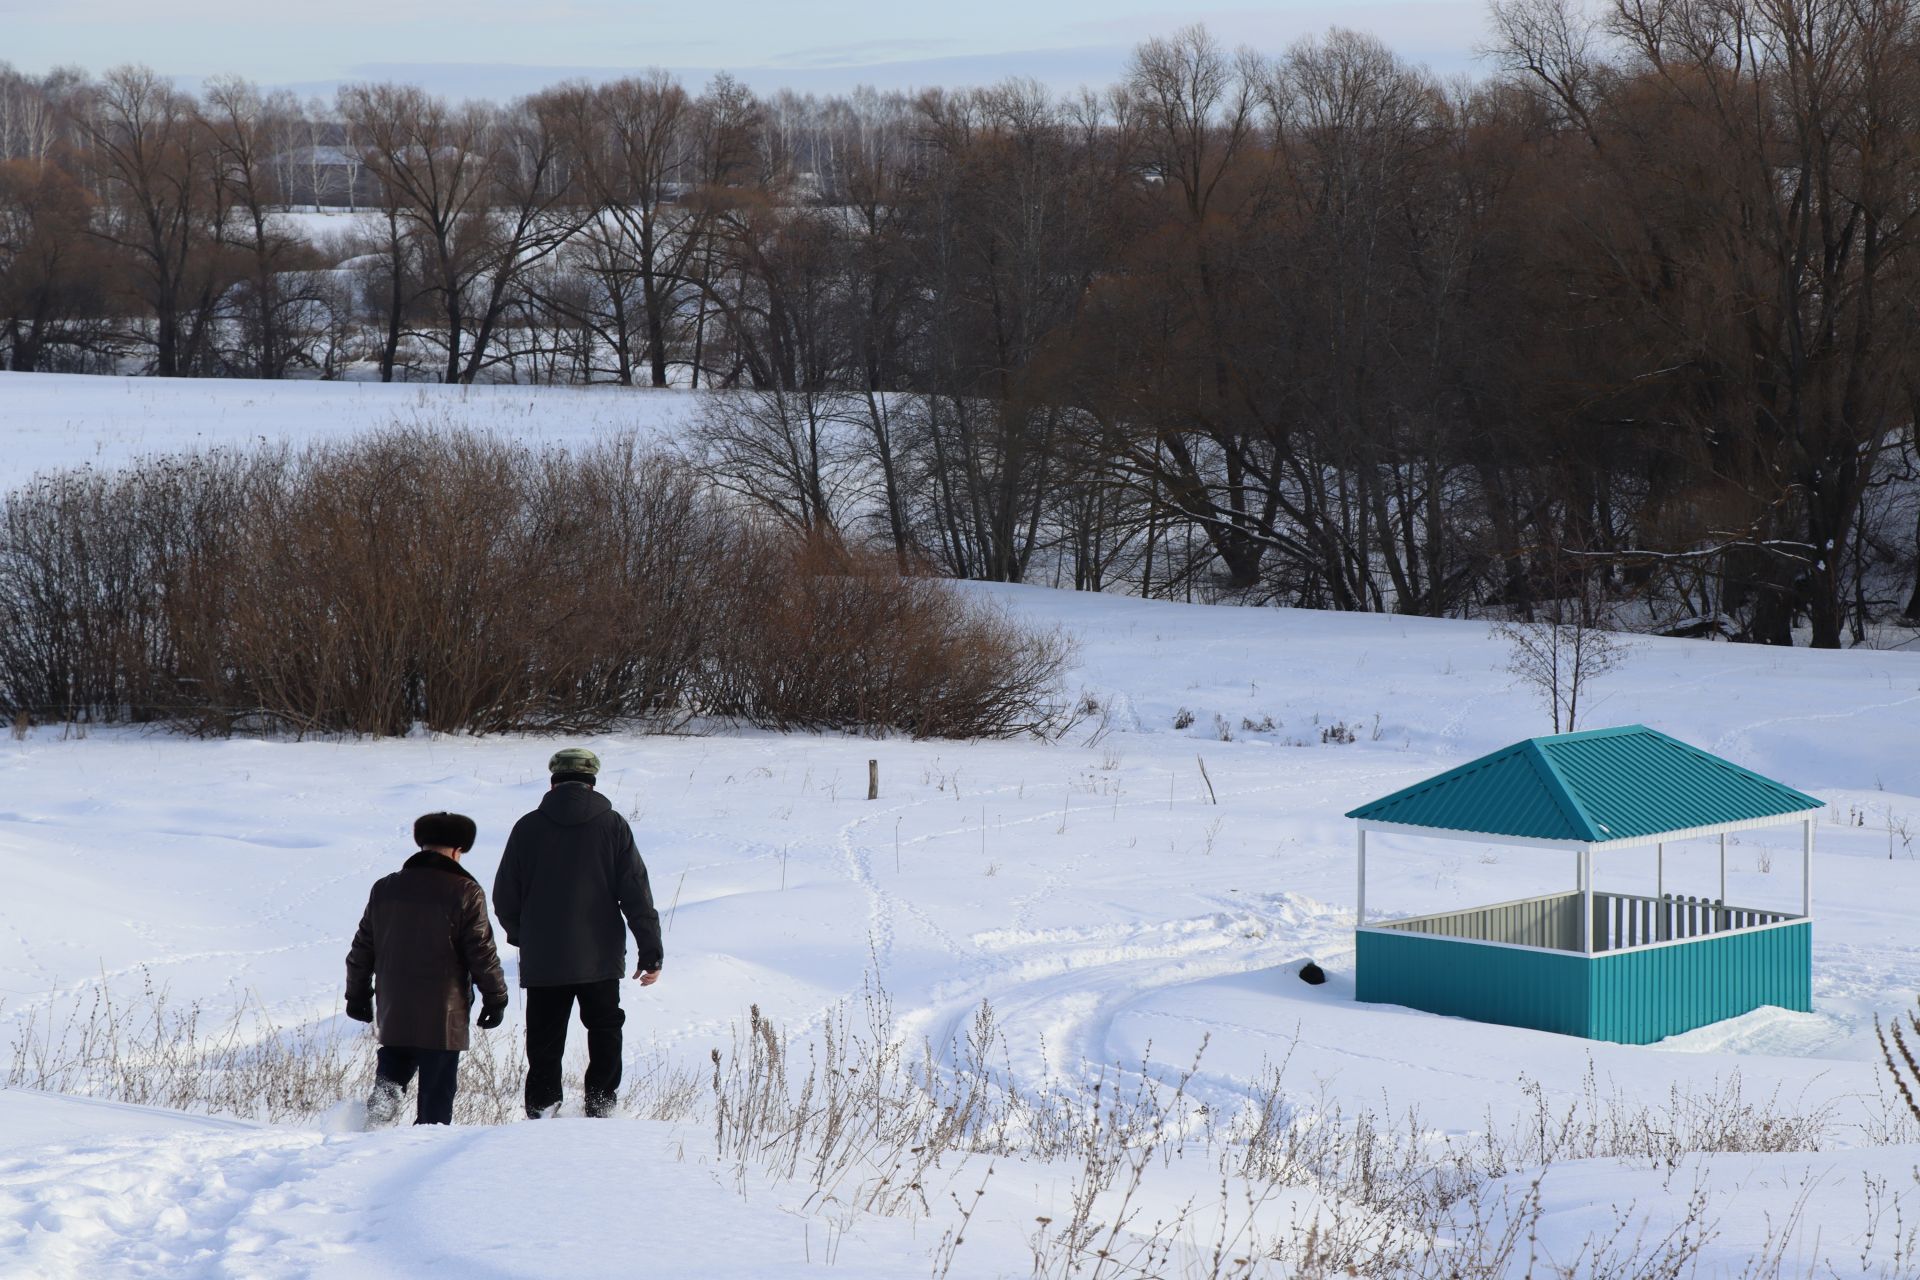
pixel 1632 968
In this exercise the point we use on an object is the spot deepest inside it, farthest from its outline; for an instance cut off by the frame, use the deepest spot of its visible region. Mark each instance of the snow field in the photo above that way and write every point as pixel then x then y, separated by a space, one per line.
pixel 51 420
pixel 1093 892
pixel 153 1194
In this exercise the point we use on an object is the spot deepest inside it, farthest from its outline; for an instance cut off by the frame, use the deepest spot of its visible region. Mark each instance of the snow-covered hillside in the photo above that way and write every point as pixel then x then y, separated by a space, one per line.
pixel 52 420
pixel 1108 900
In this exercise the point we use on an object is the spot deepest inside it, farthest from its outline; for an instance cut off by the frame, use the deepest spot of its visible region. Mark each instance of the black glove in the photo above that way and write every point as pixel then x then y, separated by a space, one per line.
pixel 360 1010
pixel 490 1016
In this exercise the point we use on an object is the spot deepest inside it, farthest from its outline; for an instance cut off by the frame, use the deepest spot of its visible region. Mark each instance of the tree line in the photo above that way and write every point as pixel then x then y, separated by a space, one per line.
pixel 1624 327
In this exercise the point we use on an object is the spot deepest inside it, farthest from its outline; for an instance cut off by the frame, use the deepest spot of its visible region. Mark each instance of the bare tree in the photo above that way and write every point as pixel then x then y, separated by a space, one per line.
pixel 50 268
pixel 1560 655
pixel 154 160
pixel 434 165
pixel 243 127
pixel 788 452
pixel 637 164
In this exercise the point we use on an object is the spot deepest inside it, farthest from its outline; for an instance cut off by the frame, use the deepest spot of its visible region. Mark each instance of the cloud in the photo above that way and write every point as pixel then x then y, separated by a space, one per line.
pixel 861 53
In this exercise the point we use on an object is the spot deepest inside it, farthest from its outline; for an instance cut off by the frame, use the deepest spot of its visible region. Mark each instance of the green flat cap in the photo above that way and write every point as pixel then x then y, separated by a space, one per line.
pixel 574 760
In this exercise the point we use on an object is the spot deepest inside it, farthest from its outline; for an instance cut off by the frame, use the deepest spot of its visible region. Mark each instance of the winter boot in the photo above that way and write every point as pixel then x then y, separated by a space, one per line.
pixel 599 1105
pixel 383 1104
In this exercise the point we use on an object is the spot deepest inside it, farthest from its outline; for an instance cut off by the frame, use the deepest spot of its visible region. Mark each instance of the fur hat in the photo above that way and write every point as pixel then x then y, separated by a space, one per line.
pixel 444 831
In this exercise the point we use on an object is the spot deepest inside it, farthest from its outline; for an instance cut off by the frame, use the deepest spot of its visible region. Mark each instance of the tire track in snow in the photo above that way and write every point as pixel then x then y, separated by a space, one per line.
pixel 1738 739
pixel 1057 994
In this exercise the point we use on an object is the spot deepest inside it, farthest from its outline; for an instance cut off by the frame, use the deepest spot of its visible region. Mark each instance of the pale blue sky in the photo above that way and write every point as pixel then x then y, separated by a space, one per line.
pixel 503 47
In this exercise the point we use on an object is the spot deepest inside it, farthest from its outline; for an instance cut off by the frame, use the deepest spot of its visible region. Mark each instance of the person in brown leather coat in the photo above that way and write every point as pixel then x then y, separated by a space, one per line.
pixel 423 945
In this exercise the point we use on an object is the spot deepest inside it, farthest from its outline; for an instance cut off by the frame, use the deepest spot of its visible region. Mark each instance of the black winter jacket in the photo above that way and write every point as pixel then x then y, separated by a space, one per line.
pixel 569 875
pixel 422 945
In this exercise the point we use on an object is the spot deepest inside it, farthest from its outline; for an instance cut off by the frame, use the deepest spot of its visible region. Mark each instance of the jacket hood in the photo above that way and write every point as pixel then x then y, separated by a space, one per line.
pixel 573 803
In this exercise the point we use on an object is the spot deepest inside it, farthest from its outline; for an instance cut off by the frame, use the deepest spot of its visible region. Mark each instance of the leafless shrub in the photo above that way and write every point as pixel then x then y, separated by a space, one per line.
pixel 1897 1054
pixel 847 1113
pixel 96 572
pixel 151 1050
pixel 466 583
pixel 1559 661
pixel 826 637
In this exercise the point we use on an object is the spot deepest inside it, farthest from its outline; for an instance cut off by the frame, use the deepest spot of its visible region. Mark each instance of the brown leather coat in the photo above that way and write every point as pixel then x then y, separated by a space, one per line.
pixel 423 944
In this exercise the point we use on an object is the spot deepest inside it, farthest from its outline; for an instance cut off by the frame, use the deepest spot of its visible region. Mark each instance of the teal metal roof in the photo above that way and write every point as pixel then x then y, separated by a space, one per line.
pixel 1590 787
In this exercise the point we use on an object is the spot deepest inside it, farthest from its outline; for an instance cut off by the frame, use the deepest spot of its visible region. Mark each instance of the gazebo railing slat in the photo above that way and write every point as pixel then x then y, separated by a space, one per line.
pixel 1632 920
pixel 1619 920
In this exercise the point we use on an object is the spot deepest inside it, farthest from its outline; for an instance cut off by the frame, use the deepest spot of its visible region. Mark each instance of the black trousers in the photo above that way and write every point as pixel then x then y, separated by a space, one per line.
pixel 549 1009
pixel 439 1078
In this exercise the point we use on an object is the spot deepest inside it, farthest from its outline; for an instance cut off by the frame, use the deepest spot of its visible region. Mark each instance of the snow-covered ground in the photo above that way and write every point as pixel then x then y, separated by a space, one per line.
pixel 52 420
pixel 1092 891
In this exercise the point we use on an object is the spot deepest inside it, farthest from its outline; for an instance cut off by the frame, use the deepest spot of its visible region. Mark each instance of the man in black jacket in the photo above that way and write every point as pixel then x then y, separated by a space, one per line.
pixel 569 878
pixel 422 945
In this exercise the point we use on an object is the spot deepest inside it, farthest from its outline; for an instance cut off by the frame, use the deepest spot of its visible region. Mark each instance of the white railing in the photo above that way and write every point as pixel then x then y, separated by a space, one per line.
pixel 1634 920
pixel 1620 920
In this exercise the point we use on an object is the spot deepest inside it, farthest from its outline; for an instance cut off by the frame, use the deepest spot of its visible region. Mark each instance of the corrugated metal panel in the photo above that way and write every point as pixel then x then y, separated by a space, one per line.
pixel 1510 792
pixel 1544 990
pixel 1638 782
pixel 1597 785
pixel 1549 921
pixel 1632 997
pixel 1637 997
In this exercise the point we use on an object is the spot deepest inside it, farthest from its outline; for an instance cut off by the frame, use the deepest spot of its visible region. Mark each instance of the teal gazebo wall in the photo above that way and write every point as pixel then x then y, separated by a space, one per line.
pixel 1632 997
pixel 1649 994
pixel 1513 986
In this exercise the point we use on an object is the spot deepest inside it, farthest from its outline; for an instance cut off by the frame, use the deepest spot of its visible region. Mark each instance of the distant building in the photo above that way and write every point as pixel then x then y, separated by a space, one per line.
pixel 326 176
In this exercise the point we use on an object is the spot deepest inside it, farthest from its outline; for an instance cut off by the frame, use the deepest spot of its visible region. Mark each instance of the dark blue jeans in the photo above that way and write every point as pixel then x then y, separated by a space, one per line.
pixel 439 1071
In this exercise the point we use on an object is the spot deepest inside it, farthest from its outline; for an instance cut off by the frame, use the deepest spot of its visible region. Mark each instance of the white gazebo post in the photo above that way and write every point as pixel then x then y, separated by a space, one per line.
pixel 1586 900
pixel 1360 897
pixel 1806 868
pixel 1720 912
pixel 1660 891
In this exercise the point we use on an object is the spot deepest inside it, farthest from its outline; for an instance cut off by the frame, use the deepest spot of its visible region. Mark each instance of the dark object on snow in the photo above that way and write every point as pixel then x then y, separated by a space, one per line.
pixel 1717 626
pixel 549 1009
pixel 1312 974
pixel 444 831
pixel 569 875
pixel 422 945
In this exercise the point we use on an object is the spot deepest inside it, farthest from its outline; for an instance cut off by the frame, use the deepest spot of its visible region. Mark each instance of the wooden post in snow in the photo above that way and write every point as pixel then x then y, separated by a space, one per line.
pixel 873 779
